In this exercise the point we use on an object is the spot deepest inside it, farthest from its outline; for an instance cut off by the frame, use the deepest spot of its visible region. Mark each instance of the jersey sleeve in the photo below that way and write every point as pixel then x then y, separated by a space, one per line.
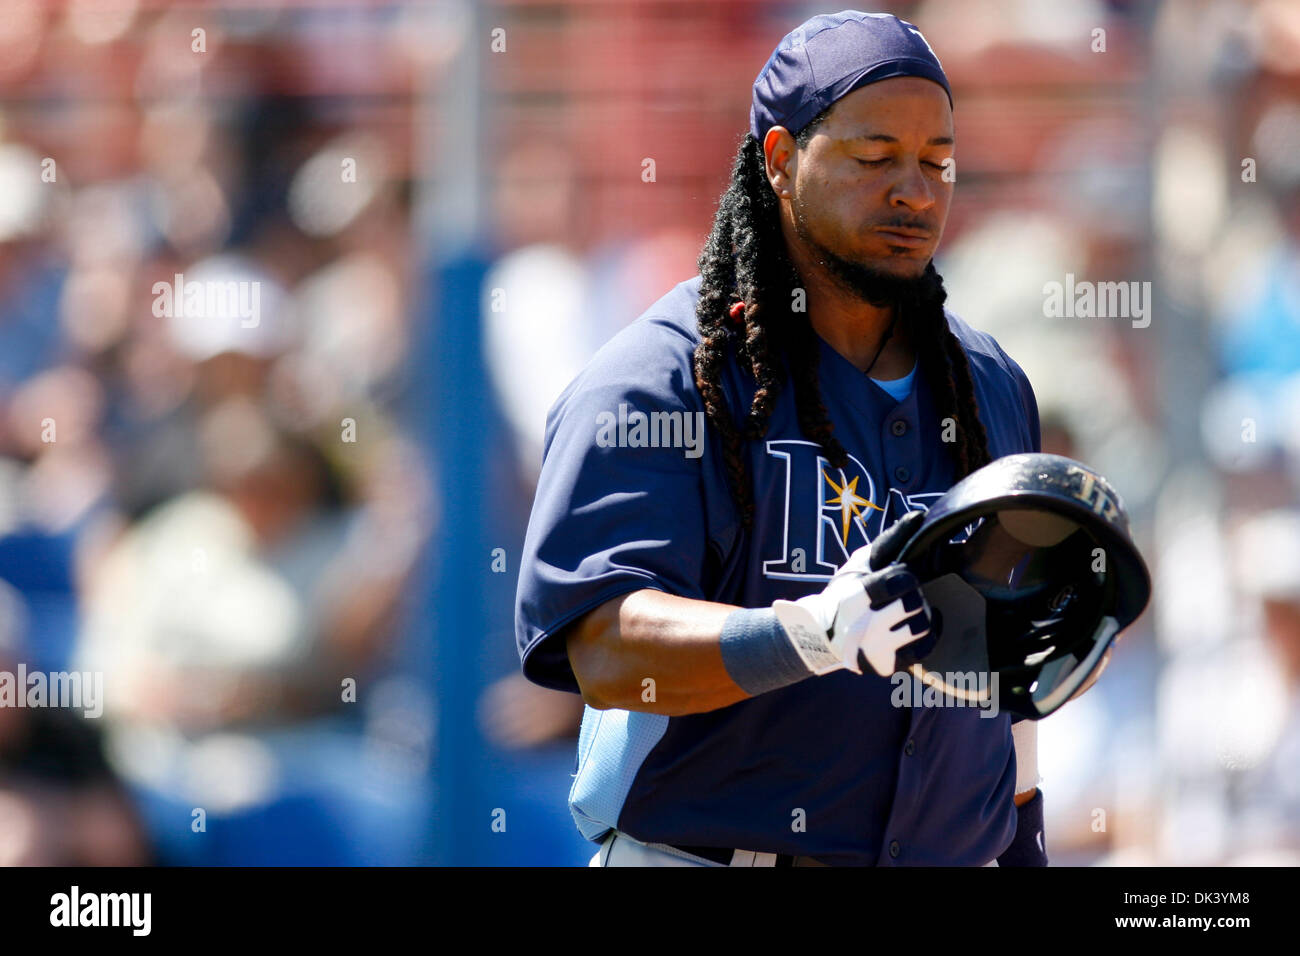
pixel 1014 399
pixel 620 503
pixel 1030 402
pixel 1031 427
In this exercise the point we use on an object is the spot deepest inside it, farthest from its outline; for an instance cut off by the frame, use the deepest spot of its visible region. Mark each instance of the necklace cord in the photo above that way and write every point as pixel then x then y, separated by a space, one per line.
pixel 883 342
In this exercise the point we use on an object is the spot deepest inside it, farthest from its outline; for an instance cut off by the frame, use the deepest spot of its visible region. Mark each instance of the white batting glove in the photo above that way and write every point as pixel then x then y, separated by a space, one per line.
pixel 869 611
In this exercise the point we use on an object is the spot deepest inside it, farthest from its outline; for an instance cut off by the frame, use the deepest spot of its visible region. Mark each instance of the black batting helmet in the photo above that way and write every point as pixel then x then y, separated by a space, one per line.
pixel 1031 569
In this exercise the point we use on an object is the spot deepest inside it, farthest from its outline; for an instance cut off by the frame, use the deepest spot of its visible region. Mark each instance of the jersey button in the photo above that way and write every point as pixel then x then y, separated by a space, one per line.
pixel 902 474
pixel 899 427
pixel 894 849
pixel 910 748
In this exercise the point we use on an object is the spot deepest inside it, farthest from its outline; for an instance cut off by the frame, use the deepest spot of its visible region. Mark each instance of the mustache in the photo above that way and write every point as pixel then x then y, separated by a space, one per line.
pixel 923 224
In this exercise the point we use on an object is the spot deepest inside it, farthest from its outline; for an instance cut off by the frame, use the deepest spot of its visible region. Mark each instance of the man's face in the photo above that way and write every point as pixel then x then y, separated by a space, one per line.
pixel 869 196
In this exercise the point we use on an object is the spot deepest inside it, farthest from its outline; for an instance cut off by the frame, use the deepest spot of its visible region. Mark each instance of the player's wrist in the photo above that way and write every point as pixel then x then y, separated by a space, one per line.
pixel 1024 738
pixel 1027 846
pixel 759 654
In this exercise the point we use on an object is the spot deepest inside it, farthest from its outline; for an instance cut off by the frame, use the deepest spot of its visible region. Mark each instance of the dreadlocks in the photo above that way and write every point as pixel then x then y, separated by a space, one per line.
pixel 745 264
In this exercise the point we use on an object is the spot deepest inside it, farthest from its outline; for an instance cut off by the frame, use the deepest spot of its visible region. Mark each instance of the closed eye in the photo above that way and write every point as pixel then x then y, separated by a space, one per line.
pixel 881 162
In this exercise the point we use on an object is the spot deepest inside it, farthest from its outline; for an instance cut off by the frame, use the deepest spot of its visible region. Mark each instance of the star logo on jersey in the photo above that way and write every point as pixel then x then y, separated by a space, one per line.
pixel 849 502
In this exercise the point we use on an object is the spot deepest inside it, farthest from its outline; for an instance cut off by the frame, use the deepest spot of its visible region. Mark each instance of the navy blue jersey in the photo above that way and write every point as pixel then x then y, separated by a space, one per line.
pixel 633 494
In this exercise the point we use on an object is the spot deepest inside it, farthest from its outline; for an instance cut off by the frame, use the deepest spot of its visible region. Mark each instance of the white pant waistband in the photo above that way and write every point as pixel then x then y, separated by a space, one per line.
pixel 619 849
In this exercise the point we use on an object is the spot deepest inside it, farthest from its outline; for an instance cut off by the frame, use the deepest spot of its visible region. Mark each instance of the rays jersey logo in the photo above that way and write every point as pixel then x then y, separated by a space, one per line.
pixel 829 512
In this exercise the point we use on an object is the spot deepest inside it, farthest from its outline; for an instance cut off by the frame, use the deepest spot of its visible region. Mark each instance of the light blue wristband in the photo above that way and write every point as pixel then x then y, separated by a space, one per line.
pixel 757 652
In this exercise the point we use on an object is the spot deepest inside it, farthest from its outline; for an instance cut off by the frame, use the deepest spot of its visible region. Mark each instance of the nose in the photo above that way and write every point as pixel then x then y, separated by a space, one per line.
pixel 913 190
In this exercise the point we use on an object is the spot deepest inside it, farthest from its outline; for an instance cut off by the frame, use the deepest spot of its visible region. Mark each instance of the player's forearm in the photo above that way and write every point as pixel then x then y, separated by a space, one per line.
pixel 649 635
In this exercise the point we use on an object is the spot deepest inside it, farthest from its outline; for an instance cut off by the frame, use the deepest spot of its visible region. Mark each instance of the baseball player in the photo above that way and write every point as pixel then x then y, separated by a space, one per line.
pixel 725 486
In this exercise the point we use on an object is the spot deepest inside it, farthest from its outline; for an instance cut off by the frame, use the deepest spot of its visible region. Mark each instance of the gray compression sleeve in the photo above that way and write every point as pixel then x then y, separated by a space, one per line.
pixel 757 653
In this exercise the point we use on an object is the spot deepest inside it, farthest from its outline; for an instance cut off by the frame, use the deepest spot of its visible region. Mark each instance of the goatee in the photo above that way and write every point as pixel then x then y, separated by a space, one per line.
pixel 876 286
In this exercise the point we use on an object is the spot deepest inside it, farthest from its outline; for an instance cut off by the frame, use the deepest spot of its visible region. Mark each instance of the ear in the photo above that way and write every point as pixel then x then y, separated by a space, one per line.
pixel 782 155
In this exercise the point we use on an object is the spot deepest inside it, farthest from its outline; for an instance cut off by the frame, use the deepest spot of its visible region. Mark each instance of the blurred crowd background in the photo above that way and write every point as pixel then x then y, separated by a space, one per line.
pixel 291 546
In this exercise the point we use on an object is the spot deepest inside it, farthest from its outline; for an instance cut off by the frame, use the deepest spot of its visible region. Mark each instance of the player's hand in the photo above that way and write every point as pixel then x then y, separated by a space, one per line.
pixel 871 614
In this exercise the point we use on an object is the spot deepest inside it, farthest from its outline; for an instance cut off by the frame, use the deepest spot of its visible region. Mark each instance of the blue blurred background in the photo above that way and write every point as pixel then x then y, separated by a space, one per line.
pixel 290 545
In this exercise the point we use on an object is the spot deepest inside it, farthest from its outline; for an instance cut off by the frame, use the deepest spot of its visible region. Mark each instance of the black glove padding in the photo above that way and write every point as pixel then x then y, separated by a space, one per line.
pixel 887 545
pixel 896 583
pixel 884 551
